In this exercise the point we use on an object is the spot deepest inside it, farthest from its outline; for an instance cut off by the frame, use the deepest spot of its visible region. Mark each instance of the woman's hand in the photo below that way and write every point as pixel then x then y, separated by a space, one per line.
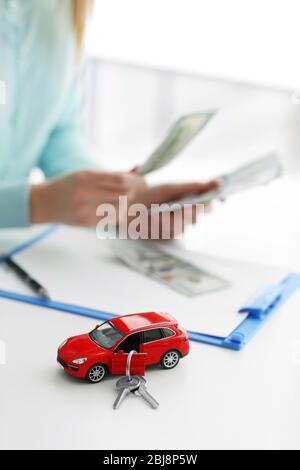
pixel 166 193
pixel 73 199
pixel 148 195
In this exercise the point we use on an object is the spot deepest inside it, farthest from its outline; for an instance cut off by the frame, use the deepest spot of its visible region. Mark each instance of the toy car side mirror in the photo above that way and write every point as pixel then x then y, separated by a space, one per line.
pixel 96 327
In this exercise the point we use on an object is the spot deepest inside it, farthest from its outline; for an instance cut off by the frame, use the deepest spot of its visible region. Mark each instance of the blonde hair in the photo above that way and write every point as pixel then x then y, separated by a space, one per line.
pixel 81 9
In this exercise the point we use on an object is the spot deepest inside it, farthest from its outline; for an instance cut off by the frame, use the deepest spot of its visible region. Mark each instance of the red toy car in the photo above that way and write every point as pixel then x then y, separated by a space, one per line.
pixel 156 336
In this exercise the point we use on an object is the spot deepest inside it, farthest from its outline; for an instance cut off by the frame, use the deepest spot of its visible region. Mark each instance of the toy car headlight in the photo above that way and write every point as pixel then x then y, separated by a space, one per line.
pixel 80 360
pixel 62 344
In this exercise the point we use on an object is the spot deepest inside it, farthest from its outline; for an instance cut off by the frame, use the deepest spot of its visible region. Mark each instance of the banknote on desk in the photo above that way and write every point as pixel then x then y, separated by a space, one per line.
pixel 182 276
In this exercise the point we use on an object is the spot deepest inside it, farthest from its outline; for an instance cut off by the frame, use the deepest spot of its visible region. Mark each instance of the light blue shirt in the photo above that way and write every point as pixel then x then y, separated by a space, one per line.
pixel 39 101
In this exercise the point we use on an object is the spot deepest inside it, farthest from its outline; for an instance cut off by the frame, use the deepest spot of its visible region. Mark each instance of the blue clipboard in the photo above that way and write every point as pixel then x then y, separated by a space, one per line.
pixel 258 310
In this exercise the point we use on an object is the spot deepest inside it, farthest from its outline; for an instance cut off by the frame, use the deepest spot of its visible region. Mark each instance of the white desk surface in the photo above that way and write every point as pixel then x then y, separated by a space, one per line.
pixel 214 399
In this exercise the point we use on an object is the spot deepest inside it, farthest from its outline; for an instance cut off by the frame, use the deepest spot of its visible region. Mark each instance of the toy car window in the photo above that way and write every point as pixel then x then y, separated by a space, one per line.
pixel 131 343
pixel 152 335
pixel 106 335
pixel 167 332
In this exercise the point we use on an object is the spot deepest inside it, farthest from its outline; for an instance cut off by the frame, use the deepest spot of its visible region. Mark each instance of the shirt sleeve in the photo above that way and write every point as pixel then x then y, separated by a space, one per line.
pixel 67 149
pixel 14 204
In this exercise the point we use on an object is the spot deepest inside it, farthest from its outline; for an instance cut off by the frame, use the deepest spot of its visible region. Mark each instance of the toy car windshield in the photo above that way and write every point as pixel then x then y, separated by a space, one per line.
pixel 106 335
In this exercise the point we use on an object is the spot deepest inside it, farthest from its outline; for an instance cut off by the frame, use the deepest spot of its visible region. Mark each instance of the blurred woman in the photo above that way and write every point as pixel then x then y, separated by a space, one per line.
pixel 40 44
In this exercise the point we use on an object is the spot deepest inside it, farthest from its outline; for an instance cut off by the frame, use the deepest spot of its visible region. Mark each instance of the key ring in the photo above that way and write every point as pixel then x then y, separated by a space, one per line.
pixel 128 363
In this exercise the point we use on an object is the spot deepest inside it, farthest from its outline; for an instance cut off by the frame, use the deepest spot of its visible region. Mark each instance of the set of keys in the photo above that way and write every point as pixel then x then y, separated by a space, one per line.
pixel 135 384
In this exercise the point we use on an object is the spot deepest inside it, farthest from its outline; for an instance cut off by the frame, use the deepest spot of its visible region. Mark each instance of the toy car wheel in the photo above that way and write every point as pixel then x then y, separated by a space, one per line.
pixel 170 359
pixel 96 373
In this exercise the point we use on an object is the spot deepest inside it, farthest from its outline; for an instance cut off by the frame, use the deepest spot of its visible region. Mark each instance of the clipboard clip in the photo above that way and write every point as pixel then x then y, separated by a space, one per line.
pixel 260 304
pixel 259 308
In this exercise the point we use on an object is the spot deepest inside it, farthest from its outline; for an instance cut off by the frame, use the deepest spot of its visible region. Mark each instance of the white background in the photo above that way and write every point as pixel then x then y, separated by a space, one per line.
pixel 249 40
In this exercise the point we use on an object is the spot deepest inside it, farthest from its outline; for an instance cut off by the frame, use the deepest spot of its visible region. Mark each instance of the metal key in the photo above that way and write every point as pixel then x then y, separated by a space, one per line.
pixel 125 385
pixel 133 384
pixel 149 399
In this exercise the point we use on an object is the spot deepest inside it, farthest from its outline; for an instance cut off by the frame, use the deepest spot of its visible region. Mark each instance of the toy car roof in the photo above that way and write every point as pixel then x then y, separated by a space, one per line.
pixel 138 321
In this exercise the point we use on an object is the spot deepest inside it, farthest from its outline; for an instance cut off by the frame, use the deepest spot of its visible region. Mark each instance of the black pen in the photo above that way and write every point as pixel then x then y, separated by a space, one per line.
pixel 24 276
